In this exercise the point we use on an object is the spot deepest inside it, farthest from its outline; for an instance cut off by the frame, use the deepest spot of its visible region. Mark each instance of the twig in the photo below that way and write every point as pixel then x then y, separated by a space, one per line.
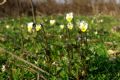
pixel 27 68
pixel 38 76
pixel 33 11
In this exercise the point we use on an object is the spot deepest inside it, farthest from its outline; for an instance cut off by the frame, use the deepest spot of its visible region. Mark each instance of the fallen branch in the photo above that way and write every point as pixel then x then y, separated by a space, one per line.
pixel 20 59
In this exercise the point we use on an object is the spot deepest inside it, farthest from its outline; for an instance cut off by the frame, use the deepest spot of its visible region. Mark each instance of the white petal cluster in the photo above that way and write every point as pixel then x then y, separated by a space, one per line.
pixel 70 26
pixel 3 68
pixel 83 26
pixel 52 22
pixel 30 27
pixel 69 17
pixel 62 26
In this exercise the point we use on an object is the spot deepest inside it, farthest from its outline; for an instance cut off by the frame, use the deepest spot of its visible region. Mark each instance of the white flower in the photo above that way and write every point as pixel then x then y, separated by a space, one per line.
pixel 7 26
pixel 70 26
pixel 60 36
pixel 95 32
pixel 83 26
pixel 3 68
pixel 38 27
pixel 62 26
pixel 101 20
pixel 30 27
pixel 69 17
pixel 52 22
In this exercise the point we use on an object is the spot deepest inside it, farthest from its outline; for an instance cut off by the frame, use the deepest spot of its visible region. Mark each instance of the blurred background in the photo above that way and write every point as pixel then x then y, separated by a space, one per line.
pixel 51 7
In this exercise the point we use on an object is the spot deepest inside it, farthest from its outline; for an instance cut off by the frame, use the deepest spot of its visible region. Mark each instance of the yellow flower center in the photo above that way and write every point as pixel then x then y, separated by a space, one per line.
pixel 83 29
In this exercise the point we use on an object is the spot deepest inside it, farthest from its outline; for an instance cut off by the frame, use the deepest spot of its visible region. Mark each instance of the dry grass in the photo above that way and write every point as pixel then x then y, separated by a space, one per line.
pixel 16 7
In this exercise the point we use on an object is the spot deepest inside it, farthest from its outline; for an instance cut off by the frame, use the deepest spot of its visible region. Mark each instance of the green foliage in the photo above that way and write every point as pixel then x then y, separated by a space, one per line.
pixel 65 54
